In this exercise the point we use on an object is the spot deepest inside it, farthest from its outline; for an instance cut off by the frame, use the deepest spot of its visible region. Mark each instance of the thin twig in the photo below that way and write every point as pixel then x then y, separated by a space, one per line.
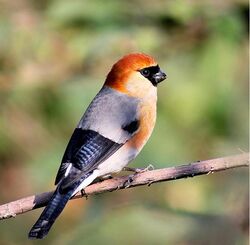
pixel 26 204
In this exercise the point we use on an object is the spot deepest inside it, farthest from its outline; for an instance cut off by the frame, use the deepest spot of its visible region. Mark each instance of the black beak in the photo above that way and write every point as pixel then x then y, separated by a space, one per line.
pixel 159 77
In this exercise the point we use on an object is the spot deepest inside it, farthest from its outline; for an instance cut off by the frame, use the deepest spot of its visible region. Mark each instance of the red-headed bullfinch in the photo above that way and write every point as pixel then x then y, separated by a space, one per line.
pixel 111 133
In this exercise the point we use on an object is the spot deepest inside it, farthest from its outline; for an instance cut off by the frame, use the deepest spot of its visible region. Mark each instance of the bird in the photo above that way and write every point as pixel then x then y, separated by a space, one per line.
pixel 111 133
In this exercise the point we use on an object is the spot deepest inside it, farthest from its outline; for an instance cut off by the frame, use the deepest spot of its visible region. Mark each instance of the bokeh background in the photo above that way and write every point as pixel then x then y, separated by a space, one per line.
pixel 54 56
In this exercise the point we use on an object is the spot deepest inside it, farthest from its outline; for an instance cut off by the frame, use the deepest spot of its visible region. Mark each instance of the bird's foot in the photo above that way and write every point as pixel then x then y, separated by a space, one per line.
pixel 136 171
pixel 127 183
pixel 108 176
pixel 84 194
pixel 100 179
pixel 139 170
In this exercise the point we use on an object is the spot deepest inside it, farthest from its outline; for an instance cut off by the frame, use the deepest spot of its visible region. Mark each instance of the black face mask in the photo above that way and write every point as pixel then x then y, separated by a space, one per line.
pixel 153 74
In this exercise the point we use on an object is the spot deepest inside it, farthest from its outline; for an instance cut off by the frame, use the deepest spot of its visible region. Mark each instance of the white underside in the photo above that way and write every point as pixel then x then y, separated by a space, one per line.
pixel 86 182
pixel 114 163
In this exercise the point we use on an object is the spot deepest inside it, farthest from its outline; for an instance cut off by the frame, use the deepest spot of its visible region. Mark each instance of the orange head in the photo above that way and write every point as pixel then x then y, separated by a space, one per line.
pixel 135 73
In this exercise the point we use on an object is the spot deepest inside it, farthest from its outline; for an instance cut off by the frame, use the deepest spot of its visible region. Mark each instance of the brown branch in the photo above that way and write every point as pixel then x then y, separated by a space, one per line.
pixel 26 204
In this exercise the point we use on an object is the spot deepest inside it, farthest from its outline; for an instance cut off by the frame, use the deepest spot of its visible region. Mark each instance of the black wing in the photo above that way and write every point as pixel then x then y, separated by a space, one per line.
pixel 85 151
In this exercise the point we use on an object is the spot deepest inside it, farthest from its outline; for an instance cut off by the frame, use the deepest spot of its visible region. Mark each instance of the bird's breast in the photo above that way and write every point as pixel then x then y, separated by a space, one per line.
pixel 147 118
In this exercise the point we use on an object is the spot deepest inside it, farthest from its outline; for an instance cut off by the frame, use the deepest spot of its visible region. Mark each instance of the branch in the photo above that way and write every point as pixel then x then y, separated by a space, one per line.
pixel 26 204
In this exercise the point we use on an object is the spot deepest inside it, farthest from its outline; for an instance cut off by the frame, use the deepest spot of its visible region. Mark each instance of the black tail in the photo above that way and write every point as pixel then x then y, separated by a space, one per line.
pixel 49 215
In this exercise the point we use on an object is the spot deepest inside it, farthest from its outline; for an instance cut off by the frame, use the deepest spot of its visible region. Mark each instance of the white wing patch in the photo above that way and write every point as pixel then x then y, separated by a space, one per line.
pixel 68 170
pixel 87 181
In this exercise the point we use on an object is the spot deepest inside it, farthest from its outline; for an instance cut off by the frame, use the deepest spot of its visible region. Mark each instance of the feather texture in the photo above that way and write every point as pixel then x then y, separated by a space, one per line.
pixel 108 112
pixel 85 151
pixel 111 133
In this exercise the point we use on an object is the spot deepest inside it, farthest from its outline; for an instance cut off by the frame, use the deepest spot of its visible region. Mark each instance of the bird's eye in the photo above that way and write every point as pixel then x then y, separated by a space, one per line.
pixel 145 72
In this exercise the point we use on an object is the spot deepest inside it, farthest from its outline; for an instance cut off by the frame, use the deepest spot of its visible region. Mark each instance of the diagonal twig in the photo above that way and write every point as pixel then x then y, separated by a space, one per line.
pixel 26 204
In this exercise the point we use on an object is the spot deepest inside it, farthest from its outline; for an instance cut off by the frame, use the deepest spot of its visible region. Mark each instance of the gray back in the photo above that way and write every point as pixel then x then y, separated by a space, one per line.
pixel 109 111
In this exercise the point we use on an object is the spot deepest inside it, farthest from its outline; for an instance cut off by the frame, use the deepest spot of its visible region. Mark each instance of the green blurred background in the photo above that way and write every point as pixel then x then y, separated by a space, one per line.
pixel 54 56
